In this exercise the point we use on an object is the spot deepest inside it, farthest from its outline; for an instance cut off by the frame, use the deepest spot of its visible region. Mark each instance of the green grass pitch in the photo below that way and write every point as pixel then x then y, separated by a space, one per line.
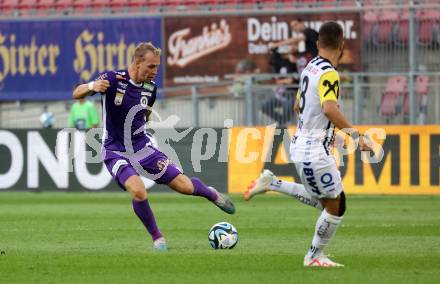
pixel 96 238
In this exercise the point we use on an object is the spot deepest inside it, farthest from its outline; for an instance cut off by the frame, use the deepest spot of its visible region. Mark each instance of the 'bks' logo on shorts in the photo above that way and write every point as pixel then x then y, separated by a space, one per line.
pixel 118 98
pixel 161 164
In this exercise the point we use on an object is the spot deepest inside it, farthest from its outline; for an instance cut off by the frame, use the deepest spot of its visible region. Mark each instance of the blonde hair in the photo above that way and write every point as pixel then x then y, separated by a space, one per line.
pixel 143 48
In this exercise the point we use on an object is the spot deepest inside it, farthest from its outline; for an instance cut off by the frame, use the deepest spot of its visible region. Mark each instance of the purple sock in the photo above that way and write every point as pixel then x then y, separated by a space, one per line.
pixel 200 189
pixel 143 211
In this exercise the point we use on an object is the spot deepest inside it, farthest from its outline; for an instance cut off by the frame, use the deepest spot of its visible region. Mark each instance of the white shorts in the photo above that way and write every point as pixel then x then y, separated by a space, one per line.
pixel 316 168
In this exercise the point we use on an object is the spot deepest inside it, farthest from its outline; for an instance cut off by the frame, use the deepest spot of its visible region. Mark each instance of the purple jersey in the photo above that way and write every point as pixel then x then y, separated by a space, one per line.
pixel 124 105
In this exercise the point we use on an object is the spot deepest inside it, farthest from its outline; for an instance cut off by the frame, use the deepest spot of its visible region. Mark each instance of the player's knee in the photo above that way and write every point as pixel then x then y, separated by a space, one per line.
pixel 342 204
pixel 182 184
pixel 139 194
pixel 136 188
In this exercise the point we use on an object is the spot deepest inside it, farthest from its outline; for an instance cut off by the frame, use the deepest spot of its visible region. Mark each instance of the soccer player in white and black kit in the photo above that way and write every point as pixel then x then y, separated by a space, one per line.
pixel 319 114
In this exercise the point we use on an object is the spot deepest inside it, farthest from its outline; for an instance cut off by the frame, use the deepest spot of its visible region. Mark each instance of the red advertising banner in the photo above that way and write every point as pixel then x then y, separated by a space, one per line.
pixel 205 49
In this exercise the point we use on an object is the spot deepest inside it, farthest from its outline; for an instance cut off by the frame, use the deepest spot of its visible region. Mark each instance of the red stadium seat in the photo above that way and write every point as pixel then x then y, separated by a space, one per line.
pixel 230 4
pixel 388 104
pixel 27 4
pixel 427 23
pixel 310 3
pixel 250 3
pixel 328 3
pixel 45 4
pixel 137 4
pixel 101 3
pixel 422 85
pixel 403 28
pixel 347 3
pixel 101 6
pixel 396 88
pixel 369 3
pixel 156 5
pixel 8 7
pixel 397 84
pixel 387 22
pixel 27 7
pixel 422 89
pixel 118 6
pixel 370 25
pixel 64 6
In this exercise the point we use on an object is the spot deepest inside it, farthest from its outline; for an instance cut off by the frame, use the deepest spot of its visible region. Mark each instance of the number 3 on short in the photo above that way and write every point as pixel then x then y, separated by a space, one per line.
pixel 304 86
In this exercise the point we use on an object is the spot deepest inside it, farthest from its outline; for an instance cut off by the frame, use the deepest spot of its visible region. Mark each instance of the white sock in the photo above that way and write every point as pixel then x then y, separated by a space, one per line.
pixel 325 229
pixel 296 190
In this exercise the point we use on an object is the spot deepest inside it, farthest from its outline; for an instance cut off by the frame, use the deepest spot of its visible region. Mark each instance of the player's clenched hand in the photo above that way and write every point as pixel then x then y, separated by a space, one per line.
pixel 101 86
pixel 364 144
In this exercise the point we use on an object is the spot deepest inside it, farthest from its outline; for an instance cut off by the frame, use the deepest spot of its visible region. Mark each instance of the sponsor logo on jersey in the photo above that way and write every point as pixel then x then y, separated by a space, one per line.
pixel 122 85
pixel 144 101
pixel 149 87
pixel 103 76
pixel 120 91
pixel 118 98
pixel 331 87
pixel 148 94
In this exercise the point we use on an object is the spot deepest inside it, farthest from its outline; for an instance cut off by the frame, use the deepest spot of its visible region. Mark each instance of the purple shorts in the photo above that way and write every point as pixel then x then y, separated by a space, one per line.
pixel 156 166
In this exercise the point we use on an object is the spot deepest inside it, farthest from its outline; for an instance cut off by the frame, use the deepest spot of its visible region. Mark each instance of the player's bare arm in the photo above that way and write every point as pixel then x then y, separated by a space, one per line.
pixel 289 41
pixel 296 106
pixel 332 112
pixel 84 90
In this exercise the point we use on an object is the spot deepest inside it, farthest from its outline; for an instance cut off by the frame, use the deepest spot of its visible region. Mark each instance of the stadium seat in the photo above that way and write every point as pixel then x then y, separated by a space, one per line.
pixel 101 6
pixel 402 33
pixel 118 6
pixel 9 7
pixel 249 4
pixel 368 3
pixel 387 24
pixel 27 7
pixel 422 85
pixel 45 5
pixel 328 3
pixel 64 6
pixel 27 4
pixel 230 4
pixel 422 89
pixel 137 4
pixel 370 25
pixel 388 105
pixel 428 25
pixel 82 6
pixel 309 3
pixel 347 3
pixel 395 89
pixel 190 4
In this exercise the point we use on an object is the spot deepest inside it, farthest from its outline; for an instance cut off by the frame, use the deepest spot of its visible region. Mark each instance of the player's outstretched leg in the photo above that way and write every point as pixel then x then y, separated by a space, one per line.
pixel 325 229
pixel 195 186
pixel 268 181
pixel 142 209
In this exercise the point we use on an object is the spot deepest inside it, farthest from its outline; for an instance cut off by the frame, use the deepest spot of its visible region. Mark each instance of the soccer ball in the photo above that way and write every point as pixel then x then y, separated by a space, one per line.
pixel 223 236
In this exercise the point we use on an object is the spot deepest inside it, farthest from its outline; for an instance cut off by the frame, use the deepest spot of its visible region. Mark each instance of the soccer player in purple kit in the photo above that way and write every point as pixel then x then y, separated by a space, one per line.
pixel 127 98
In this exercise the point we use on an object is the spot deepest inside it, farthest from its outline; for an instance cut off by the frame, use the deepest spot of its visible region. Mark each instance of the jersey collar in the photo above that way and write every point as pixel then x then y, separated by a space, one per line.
pixel 328 61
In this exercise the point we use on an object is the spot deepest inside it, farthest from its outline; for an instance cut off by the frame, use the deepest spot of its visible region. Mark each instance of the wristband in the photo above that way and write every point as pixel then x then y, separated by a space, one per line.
pixel 90 85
